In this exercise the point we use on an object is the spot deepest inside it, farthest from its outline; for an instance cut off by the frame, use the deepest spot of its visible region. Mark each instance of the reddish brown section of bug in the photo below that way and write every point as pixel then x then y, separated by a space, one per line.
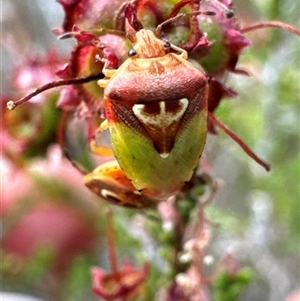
pixel 156 96
pixel 141 81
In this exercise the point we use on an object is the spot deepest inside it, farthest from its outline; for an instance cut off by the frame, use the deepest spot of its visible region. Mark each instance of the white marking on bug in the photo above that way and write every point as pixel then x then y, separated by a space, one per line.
pixel 163 119
pixel 107 193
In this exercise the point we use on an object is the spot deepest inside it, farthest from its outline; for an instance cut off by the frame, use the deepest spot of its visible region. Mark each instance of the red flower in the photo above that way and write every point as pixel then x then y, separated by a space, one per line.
pixel 127 281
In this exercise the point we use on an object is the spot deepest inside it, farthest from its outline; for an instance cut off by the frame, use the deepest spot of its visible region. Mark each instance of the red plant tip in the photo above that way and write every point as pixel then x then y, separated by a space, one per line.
pixel 131 16
pixel 276 24
pixel 120 285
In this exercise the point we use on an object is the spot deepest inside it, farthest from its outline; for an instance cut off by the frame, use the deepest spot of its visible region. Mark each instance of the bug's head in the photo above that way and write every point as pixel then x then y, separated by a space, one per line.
pixel 147 45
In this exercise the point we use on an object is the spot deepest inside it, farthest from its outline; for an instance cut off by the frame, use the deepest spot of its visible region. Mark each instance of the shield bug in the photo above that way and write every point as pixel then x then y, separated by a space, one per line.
pixel 156 109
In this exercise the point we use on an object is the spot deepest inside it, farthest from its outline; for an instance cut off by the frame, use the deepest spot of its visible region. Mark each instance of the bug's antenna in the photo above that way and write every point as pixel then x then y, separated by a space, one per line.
pixel 169 20
pixel 178 16
pixel 228 12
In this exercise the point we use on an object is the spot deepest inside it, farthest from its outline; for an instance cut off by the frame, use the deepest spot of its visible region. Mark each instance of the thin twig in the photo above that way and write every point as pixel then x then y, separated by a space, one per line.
pixel 238 140
pixel 63 82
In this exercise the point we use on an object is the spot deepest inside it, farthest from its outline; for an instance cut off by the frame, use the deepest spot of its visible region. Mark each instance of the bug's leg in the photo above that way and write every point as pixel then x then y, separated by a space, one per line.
pixel 110 183
pixel 108 74
pixel 96 145
pixel 100 150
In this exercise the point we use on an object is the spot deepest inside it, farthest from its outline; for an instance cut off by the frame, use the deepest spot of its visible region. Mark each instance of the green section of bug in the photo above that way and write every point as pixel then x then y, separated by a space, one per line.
pixel 157 176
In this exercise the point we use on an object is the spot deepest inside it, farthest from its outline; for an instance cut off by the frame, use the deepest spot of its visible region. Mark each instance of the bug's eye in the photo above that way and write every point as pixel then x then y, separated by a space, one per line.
pixel 167 44
pixel 132 52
